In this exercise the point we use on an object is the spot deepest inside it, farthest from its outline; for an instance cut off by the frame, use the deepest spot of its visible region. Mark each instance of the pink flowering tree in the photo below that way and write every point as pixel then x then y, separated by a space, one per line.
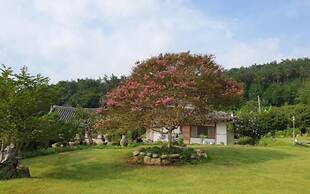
pixel 167 91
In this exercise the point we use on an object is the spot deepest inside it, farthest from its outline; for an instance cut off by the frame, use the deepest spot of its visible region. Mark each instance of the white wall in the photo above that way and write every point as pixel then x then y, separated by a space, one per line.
pixel 221 133
pixel 156 136
pixel 200 141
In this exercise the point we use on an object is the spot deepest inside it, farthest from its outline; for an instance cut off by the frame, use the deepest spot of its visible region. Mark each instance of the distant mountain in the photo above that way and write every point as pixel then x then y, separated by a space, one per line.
pixel 276 83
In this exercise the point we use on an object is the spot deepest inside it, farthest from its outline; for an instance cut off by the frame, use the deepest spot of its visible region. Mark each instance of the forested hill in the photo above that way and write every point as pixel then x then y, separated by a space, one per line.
pixel 276 83
pixel 86 92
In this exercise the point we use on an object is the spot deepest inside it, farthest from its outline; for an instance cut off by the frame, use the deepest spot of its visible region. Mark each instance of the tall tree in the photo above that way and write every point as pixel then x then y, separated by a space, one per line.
pixel 167 91
pixel 23 98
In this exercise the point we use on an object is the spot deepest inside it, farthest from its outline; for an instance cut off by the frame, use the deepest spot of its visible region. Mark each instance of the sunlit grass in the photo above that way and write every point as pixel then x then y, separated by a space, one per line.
pixel 235 169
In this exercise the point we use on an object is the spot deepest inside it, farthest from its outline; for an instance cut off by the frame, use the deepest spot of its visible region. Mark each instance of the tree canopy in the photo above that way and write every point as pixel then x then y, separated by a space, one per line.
pixel 23 100
pixel 167 91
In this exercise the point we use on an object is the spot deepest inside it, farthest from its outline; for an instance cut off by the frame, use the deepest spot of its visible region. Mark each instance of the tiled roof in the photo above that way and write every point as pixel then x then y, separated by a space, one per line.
pixel 219 116
pixel 66 113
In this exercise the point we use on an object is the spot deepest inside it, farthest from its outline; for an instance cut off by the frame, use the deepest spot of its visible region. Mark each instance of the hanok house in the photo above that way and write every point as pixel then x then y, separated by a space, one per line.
pixel 66 113
pixel 213 132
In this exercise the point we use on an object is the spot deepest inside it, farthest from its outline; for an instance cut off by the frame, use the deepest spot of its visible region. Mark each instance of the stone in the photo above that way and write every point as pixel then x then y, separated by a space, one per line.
pixel 142 153
pixel 194 156
pixel 9 164
pixel 174 156
pixel 147 160
pixel 155 155
pixel 165 162
pixel 107 138
pixel 149 154
pixel 135 160
pixel 164 156
pixel 124 141
pixel 155 161
pixel 72 143
pixel 56 145
pixel 136 153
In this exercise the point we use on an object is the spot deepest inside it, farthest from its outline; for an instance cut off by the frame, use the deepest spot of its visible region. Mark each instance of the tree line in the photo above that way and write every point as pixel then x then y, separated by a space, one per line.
pixel 277 83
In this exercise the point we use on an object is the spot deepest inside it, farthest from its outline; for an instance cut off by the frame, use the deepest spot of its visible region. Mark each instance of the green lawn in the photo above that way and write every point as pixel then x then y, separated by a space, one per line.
pixel 230 170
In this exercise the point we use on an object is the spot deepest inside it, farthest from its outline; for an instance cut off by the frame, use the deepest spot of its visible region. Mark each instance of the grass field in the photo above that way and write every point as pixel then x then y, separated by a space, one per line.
pixel 235 169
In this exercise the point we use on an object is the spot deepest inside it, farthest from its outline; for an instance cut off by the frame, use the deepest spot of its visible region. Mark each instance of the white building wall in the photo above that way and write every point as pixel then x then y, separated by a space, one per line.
pixel 221 133
pixel 201 141
pixel 156 136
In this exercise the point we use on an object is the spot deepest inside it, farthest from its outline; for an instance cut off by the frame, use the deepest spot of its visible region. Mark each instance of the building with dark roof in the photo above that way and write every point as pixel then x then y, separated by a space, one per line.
pixel 65 113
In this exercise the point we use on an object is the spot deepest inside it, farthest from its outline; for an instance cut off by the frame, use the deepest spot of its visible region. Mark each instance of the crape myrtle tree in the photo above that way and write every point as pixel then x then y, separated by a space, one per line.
pixel 167 91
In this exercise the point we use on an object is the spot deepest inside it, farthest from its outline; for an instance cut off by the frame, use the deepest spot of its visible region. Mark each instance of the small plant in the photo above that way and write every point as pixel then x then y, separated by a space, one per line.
pixel 245 140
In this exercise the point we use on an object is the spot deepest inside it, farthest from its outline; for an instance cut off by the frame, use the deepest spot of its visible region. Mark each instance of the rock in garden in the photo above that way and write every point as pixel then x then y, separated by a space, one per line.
pixel 194 156
pixel 165 162
pixel 142 153
pixel 56 145
pixel 134 160
pixel 155 161
pixel 136 153
pixel 149 154
pixel 147 160
pixel 124 141
pixel 155 155
pixel 9 165
pixel 71 143
pixel 175 156
pixel 164 156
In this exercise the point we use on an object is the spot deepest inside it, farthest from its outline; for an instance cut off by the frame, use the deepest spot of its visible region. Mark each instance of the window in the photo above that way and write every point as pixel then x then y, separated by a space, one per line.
pixel 198 131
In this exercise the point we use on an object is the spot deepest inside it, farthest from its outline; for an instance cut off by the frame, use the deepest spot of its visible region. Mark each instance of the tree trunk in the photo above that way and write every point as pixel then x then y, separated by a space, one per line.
pixel 170 137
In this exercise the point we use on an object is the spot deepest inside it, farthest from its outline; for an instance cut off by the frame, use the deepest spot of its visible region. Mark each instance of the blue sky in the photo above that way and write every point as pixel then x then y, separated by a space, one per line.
pixel 69 39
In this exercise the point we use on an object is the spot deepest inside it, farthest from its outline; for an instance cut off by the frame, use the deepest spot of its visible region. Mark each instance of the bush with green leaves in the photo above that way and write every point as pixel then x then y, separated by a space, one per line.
pixel 258 124
pixel 24 98
pixel 245 140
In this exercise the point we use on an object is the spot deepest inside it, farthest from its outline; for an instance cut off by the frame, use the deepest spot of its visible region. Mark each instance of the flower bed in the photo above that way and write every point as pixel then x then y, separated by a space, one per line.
pixel 162 156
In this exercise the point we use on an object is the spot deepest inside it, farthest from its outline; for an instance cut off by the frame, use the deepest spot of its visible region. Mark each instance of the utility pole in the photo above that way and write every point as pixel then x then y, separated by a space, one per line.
pixel 259 106
pixel 293 130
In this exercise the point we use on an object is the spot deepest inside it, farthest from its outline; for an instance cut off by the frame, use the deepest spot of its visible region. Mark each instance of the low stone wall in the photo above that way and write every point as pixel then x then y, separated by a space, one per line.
pixel 140 157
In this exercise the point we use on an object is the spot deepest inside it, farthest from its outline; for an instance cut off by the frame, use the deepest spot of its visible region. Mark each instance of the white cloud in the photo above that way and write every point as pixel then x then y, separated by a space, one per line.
pixel 90 38
pixel 242 54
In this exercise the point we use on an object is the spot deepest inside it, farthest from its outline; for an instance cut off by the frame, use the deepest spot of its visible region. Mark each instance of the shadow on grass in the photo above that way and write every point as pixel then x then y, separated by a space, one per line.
pixel 117 168
pixel 90 171
pixel 244 155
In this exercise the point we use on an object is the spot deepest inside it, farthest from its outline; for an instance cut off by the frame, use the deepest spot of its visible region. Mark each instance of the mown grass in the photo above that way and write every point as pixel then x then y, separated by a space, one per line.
pixel 234 169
